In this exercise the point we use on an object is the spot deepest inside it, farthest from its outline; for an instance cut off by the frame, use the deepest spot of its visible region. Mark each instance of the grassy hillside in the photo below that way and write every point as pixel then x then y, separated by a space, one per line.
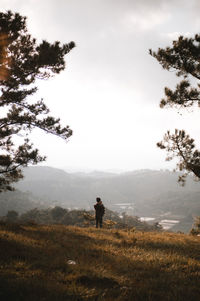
pixel 70 263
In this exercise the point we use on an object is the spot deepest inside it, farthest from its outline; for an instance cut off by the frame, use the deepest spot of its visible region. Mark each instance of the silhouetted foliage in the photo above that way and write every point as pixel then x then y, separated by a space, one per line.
pixel 57 213
pixel 12 216
pixel 183 58
pixel 196 227
pixel 81 218
pixel 22 62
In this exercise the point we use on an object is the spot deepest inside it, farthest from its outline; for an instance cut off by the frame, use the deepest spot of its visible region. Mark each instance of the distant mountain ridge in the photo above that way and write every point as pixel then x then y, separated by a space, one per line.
pixel 149 193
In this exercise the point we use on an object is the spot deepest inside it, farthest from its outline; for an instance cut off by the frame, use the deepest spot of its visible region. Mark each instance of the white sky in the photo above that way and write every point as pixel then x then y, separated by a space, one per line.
pixel 109 93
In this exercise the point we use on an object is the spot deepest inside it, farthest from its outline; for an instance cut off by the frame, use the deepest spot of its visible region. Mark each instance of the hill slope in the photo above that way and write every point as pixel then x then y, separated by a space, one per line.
pixel 18 201
pixel 150 193
pixel 148 190
pixel 71 263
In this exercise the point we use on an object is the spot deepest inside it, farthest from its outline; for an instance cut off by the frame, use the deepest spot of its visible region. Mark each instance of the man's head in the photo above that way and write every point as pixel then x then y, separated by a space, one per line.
pixel 98 200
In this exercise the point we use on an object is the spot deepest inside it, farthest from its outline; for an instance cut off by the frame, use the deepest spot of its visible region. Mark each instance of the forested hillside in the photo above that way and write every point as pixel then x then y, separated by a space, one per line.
pixel 55 187
pixel 139 188
pixel 45 187
pixel 18 201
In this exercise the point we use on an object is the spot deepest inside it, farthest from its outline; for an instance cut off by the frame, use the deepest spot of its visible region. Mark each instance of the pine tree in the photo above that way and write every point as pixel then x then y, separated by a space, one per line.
pixel 183 58
pixel 22 62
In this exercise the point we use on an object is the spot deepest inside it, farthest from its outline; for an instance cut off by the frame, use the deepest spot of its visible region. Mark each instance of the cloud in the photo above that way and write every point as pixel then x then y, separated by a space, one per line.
pixel 145 21
pixel 110 92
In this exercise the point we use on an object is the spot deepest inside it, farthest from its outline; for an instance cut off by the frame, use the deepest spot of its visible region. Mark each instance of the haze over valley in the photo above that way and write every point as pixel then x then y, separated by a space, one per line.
pixel 153 195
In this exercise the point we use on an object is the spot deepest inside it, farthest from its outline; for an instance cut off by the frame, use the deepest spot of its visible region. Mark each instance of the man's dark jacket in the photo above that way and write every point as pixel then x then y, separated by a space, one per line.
pixel 100 209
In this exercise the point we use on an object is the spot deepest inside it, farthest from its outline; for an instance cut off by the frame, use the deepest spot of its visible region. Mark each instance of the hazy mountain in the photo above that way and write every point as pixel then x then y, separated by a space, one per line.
pixel 148 192
pixel 18 201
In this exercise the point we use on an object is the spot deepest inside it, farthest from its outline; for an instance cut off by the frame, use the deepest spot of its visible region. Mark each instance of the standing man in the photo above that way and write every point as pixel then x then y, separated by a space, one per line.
pixel 99 212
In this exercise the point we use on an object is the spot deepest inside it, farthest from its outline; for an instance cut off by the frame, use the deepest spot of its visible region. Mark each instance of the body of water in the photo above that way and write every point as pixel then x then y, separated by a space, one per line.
pixel 168 223
pixel 165 223
pixel 147 219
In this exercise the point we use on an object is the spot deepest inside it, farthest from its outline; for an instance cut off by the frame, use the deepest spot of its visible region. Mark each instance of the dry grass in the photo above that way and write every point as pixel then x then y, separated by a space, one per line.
pixel 110 264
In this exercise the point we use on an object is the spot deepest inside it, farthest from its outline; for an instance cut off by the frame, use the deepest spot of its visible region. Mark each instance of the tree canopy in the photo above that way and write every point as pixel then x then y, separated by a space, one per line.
pixel 183 58
pixel 22 62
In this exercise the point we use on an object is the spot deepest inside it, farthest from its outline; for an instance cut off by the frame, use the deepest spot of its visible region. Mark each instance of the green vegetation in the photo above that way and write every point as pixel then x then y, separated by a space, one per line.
pixel 56 262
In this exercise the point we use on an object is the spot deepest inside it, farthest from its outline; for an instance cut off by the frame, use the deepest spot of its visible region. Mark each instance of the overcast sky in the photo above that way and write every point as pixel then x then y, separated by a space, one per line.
pixel 109 93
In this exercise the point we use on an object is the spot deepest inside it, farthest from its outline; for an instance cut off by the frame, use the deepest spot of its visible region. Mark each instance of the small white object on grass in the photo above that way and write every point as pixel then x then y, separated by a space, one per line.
pixel 71 262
